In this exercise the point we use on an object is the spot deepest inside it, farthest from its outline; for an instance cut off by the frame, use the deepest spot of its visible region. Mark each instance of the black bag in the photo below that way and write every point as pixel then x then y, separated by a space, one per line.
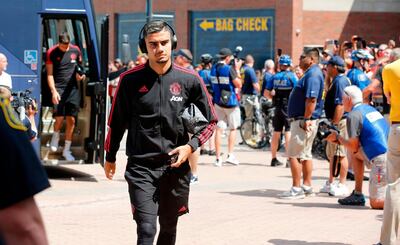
pixel 225 97
pixel 193 120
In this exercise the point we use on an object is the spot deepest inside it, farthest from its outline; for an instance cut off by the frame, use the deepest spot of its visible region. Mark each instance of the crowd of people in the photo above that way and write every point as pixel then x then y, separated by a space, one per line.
pixel 342 82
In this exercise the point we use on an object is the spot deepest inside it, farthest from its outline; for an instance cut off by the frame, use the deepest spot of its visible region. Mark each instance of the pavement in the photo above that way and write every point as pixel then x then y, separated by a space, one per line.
pixel 229 205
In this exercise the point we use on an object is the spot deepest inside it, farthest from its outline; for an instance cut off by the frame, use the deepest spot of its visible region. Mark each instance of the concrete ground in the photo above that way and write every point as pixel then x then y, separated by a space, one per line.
pixel 229 205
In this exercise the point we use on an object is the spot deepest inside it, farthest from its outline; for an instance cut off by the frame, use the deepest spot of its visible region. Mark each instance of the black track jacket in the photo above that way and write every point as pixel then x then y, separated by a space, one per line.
pixel 150 107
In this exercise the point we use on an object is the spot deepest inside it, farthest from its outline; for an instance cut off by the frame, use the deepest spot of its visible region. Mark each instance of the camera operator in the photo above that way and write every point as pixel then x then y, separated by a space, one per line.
pixel 225 79
pixel 335 114
pixel 27 115
pixel 366 143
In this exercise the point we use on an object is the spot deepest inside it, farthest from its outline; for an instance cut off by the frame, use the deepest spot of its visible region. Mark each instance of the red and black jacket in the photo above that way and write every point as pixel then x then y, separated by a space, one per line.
pixel 149 106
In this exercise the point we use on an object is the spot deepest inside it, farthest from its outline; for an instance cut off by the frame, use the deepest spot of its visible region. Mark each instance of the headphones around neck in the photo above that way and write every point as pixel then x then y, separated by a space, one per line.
pixel 142 42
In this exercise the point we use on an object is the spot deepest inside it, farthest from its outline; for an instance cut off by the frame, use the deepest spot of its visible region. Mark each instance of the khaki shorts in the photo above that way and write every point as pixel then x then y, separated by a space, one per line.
pixel 300 143
pixel 331 147
pixel 393 154
pixel 228 117
pixel 377 176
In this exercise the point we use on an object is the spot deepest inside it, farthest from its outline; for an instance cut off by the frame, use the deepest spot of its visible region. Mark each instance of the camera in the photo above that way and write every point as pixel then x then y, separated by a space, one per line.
pixel 326 130
pixel 22 99
pixel 236 53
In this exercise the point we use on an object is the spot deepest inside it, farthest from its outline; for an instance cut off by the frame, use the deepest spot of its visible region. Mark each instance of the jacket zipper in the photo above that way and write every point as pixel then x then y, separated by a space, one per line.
pixel 159 115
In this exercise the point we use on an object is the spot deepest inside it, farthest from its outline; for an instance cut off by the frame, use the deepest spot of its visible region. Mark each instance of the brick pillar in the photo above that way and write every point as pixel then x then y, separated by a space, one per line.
pixel 289 17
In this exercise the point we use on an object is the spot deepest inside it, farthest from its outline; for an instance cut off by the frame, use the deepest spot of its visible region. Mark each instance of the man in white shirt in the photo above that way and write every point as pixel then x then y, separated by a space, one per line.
pixel 5 79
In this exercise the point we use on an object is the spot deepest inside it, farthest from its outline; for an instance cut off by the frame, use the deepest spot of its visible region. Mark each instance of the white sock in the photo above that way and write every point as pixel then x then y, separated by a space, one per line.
pixel 67 145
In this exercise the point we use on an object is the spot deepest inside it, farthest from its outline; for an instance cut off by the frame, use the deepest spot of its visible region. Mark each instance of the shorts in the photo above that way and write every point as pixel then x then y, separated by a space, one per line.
pixel 228 117
pixel 331 148
pixel 300 143
pixel 157 189
pixel 65 109
pixel 378 178
pixel 394 153
pixel 280 120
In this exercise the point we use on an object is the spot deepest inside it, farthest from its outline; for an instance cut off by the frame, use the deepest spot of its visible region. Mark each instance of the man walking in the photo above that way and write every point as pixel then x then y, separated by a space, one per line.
pixel 5 78
pixel 225 79
pixel 305 107
pixel 148 103
pixel 61 65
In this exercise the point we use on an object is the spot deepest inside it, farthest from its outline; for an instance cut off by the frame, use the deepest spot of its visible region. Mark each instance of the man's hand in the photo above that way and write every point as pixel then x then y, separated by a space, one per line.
pixel 332 137
pixel 55 97
pixel 31 109
pixel 109 169
pixel 80 78
pixel 183 152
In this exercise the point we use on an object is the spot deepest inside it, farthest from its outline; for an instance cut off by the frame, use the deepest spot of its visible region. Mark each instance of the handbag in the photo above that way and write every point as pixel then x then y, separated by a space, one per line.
pixel 193 120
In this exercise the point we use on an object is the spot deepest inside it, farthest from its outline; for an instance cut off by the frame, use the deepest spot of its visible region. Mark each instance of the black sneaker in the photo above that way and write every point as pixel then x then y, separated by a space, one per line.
pixel 275 162
pixel 203 152
pixel 353 200
pixel 212 153
pixel 350 176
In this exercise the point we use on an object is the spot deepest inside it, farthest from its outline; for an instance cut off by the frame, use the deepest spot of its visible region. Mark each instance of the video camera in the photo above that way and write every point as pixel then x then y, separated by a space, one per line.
pixel 23 100
pixel 236 53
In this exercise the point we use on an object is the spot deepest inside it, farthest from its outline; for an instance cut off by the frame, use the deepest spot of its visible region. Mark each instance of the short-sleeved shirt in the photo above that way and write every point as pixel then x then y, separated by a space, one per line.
pixel 334 95
pixel 358 78
pixel 23 173
pixel 205 75
pixel 5 80
pixel 378 76
pixel 354 124
pixel 250 78
pixel 64 65
pixel 391 78
pixel 283 82
pixel 266 77
pixel 309 86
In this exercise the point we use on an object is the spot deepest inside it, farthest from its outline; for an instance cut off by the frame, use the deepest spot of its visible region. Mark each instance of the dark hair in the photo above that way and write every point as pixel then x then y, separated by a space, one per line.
pixel 155 27
pixel 340 69
pixel 64 38
pixel 314 53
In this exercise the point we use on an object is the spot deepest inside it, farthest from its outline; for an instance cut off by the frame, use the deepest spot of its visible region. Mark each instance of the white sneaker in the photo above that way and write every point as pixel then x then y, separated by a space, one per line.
pixel 327 187
pixel 68 156
pixel 218 163
pixel 308 190
pixel 232 159
pixel 293 193
pixel 54 141
pixel 339 190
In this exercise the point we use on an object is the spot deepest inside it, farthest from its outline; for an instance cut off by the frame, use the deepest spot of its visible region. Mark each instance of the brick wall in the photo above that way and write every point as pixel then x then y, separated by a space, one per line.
pixel 314 26
pixel 377 27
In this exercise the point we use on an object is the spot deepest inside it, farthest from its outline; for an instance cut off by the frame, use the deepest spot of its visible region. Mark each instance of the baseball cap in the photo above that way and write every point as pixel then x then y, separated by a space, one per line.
pixel 335 60
pixel 224 52
pixel 185 53
pixel 327 52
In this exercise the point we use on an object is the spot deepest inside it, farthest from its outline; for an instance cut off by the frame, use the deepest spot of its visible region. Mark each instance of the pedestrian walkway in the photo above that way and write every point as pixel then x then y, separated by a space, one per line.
pixel 229 205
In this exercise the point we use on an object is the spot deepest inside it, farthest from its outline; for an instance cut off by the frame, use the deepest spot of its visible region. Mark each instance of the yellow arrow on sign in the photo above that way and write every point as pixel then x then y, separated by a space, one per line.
pixel 205 25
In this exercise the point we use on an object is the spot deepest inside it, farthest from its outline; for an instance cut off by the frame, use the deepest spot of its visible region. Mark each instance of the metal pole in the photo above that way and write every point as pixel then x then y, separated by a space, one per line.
pixel 149 10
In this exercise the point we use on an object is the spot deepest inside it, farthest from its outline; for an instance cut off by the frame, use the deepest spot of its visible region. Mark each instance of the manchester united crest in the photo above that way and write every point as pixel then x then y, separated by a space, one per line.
pixel 73 56
pixel 175 88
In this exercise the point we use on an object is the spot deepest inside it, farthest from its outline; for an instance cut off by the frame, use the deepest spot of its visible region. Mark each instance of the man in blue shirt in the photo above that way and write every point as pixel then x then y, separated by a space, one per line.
pixel 278 89
pixel 334 112
pixel 269 67
pixel 367 143
pixel 250 87
pixel 305 107
pixel 357 73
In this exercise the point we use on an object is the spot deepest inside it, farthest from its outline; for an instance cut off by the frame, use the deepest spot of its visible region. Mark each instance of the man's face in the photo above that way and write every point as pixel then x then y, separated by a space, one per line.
pixel 159 46
pixel 3 63
pixel 331 70
pixel 63 46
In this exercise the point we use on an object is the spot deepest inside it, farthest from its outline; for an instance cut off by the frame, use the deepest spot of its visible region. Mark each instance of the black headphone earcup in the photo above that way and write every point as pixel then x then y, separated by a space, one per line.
pixel 142 45
pixel 174 42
